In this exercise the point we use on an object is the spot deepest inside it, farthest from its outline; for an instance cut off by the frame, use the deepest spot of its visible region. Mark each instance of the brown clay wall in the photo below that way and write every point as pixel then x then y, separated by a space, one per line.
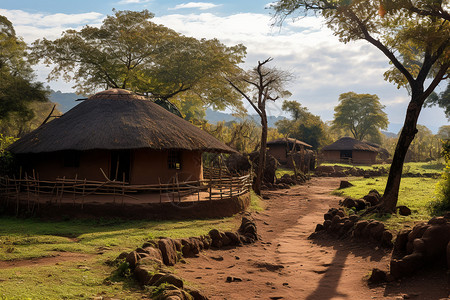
pixel 279 152
pixel 332 156
pixel 364 157
pixel 149 165
pixel 49 166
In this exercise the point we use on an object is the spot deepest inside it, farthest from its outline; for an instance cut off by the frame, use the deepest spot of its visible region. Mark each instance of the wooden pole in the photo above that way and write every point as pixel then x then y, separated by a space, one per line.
pixel 82 195
pixel 74 188
pixel 198 190
pixel 210 186
pixel 123 187
pixel 178 187
pixel 160 190
pixel 17 195
pixel 62 191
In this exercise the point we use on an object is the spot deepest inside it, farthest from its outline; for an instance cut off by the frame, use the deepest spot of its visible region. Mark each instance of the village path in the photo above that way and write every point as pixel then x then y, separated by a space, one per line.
pixel 284 264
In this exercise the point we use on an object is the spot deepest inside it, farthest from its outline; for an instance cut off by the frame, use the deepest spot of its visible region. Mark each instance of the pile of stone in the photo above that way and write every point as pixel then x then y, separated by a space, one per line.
pixel 149 263
pixel 339 225
pixel 371 199
pixel 339 171
pixel 424 244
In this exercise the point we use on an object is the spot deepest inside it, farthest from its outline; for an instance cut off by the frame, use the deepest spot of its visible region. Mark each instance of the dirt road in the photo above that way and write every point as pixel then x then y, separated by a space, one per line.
pixel 284 264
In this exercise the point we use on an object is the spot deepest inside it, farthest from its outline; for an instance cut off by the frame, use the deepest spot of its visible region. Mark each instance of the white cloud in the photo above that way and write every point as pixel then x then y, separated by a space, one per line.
pixel 199 5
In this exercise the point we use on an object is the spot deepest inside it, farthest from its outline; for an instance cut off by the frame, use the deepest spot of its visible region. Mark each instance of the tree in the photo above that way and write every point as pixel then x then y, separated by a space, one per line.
pixel 444 132
pixel 303 125
pixel 131 52
pixel 17 90
pixel 267 84
pixel 442 100
pixel 416 44
pixel 361 114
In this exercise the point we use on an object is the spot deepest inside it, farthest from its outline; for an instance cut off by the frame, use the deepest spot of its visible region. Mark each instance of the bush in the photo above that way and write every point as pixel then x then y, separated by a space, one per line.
pixel 6 158
pixel 442 204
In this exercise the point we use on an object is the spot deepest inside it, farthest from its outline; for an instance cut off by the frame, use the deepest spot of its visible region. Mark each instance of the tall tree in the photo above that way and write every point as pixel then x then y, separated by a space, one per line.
pixel 416 44
pixel 129 51
pixel 266 84
pixel 303 125
pixel 361 114
pixel 17 89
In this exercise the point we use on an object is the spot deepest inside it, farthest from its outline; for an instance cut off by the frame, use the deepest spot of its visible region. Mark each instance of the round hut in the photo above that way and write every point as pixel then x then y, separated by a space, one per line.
pixel 120 135
pixel 350 150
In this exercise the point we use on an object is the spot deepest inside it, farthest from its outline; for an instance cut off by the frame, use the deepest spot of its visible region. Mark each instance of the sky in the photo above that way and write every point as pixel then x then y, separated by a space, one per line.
pixel 323 67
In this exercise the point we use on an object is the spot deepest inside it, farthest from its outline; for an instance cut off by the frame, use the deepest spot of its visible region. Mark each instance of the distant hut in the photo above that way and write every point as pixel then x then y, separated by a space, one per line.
pixel 122 134
pixel 282 149
pixel 350 150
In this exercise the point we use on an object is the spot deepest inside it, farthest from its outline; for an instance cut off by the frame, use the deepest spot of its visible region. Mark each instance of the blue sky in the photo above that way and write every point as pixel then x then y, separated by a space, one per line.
pixel 323 67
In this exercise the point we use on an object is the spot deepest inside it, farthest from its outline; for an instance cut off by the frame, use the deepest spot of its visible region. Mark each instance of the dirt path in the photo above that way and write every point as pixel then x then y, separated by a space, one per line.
pixel 286 265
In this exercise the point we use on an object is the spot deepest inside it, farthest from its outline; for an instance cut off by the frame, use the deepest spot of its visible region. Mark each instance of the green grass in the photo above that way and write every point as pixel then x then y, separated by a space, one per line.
pixel 411 167
pixel 281 171
pixel 256 203
pixel 416 193
pixel 32 238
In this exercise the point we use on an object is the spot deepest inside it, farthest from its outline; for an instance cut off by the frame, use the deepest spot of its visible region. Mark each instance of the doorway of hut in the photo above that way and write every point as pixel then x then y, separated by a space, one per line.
pixel 346 156
pixel 120 165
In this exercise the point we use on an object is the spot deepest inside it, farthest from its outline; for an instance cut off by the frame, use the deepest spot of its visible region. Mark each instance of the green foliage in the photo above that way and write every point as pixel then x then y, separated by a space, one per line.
pixel 6 158
pixel 361 114
pixel 304 125
pixel 442 204
pixel 442 100
pixel 16 87
pixel 129 51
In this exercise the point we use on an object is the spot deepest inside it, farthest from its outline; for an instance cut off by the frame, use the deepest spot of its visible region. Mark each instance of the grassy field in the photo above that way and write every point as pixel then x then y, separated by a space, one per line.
pixel 416 193
pixel 83 278
pixel 411 167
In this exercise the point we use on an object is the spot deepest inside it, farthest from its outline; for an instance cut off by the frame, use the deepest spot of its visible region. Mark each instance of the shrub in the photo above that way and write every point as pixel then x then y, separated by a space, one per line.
pixel 442 204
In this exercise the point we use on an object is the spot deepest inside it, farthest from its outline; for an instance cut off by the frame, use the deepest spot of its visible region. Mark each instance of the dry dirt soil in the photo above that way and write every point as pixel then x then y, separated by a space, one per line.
pixel 285 264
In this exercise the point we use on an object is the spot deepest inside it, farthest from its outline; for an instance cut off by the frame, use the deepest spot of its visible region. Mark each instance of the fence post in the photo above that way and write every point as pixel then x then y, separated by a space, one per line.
pixel 160 190
pixel 210 186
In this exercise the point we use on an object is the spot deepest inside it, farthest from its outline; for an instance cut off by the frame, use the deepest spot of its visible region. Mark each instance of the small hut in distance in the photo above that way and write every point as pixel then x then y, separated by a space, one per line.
pixel 350 150
pixel 282 148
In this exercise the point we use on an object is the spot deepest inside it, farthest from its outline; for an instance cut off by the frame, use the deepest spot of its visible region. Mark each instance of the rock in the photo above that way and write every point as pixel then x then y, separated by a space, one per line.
pixel 377 276
pixel 403 210
pixel 122 255
pixel 359 227
pixel 400 244
pixel 376 230
pixel 168 251
pixel 327 216
pixel 436 238
pixel 386 239
pixel 340 213
pixel 233 279
pixel 132 259
pixel 349 203
pixel 234 238
pixel 360 204
pixel 170 279
pixel 196 294
pixel 407 265
pixel 326 224
pixel 438 221
pixel 415 233
pixel 171 292
pixel 344 184
pixel 319 227
pixel 146 269
pixel 372 198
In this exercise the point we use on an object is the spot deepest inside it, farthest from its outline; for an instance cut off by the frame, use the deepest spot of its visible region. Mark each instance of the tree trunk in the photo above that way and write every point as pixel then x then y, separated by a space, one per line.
pixel 407 134
pixel 262 155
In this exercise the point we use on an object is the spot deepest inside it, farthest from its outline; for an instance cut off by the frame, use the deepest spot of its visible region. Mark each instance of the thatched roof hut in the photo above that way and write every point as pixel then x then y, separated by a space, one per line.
pixel 348 149
pixel 281 149
pixel 122 133
pixel 117 119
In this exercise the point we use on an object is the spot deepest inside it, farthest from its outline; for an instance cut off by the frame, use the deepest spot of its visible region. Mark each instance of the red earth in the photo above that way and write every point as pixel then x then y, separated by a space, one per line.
pixel 285 264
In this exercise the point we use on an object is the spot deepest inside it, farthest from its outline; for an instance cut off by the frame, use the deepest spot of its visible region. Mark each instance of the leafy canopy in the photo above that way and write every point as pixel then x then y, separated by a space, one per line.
pixel 129 51
pixel 304 125
pixel 362 114
pixel 17 90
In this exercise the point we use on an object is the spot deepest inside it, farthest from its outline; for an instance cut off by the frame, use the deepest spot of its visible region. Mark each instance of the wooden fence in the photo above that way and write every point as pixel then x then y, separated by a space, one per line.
pixel 32 190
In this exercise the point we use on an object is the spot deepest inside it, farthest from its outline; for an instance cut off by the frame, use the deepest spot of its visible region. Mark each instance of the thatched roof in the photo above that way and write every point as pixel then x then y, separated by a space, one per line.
pixel 117 119
pixel 282 141
pixel 348 143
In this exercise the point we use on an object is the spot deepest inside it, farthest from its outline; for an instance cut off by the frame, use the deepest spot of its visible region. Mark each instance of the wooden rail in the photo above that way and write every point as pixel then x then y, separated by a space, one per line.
pixel 32 190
